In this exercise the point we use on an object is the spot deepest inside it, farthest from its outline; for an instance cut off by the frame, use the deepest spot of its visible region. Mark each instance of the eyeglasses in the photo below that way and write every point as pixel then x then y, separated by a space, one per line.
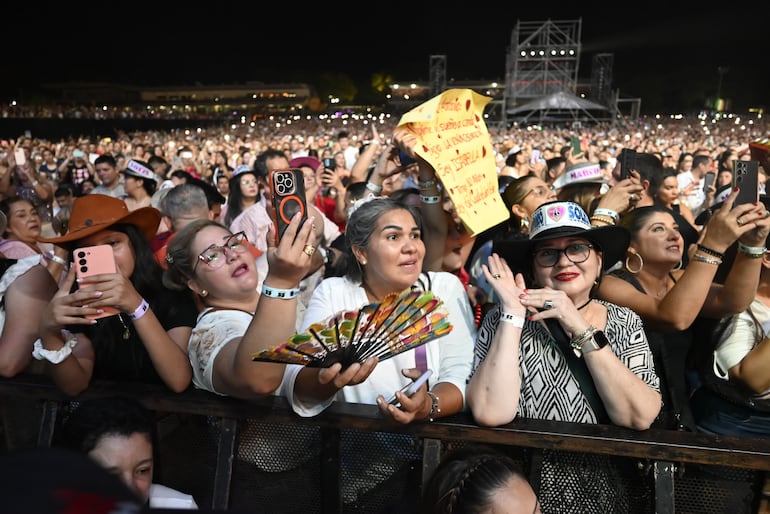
pixel 215 256
pixel 576 253
pixel 539 191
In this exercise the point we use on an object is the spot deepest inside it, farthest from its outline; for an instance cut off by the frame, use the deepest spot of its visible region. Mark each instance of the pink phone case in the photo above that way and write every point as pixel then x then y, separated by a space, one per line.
pixel 95 260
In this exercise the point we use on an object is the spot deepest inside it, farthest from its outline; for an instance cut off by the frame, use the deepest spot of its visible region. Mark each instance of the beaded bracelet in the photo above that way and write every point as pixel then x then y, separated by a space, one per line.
pixel 283 294
pixel 374 188
pixel 709 251
pixel 602 219
pixel 702 258
pixel 516 321
pixel 430 199
pixel 607 212
pixel 753 252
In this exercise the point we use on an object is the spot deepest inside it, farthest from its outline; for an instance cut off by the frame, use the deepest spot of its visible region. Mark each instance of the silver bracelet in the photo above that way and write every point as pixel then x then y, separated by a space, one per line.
pixel 585 335
pixel 708 260
pixel 516 321
pixel 59 260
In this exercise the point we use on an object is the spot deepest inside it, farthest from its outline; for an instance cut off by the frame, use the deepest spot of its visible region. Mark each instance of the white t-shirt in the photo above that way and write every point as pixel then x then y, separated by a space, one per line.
pixel 739 339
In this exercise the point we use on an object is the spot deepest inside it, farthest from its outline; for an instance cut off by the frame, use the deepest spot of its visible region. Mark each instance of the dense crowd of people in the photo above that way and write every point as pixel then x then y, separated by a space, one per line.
pixel 636 297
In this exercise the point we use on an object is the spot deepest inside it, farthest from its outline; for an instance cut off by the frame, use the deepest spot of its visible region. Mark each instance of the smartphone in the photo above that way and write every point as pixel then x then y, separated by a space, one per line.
pixel 404 158
pixel 329 163
pixel 708 181
pixel 535 156
pixel 410 389
pixel 627 162
pixel 745 176
pixel 20 156
pixel 287 190
pixel 95 260
pixel 576 146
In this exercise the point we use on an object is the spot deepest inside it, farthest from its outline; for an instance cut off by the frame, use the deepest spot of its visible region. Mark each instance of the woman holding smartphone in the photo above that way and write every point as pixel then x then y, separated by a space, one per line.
pixel 147 340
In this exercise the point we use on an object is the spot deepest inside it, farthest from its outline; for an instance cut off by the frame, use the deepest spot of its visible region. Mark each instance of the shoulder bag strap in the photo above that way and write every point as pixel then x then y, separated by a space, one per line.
pixel 579 371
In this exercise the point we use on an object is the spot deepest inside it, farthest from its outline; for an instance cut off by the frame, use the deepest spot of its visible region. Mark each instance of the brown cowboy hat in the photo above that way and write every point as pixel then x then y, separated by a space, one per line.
pixel 94 212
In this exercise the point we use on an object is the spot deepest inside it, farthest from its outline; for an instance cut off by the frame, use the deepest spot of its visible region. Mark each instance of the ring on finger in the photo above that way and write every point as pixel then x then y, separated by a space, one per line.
pixel 739 222
pixel 547 305
pixel 309 250
pixel 633 197
pixel 496 276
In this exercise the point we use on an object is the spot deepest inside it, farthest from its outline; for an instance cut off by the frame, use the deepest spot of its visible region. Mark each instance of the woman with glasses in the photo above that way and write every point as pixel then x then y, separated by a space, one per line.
pixel 237 320
pixel 549 350
pixel 146 341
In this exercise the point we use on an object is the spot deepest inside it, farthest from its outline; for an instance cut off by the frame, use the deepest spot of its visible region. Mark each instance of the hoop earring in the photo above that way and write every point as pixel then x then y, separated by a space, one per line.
pixel 678 266
pixel 641 263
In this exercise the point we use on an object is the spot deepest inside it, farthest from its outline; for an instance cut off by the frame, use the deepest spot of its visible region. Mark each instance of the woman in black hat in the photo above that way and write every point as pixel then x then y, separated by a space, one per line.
pixel 551 351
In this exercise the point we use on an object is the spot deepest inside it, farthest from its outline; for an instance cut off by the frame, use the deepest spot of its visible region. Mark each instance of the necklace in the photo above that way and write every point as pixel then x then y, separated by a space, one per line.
pixel 585 304
pixel 126 331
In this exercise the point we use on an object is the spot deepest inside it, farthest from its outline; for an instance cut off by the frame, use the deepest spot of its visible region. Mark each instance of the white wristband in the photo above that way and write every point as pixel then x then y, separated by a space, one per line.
pixel 607 212
pixel 140 311
pixel 374 188
pixel 284 294
pixel 57 356
pixel 516 321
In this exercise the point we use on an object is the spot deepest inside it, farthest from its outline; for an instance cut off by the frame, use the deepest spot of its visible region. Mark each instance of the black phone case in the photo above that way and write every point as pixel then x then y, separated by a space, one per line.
pixel 708 181
pixel 627 162
pixel 745 177
pixel 287 188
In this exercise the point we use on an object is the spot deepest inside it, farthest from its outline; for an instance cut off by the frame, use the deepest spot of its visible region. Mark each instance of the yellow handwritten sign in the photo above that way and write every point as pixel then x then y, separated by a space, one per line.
pixel 453 138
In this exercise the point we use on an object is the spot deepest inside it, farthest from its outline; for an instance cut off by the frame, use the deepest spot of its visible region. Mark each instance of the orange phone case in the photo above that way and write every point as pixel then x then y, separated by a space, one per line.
pixel 95 260
pixel 287 190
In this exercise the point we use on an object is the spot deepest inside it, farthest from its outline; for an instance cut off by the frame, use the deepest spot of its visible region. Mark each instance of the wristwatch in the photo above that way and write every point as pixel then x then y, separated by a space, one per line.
pixel 596 342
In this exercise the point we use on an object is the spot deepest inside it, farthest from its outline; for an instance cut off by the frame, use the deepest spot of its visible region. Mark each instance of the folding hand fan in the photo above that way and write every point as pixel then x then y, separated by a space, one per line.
pixel 399 323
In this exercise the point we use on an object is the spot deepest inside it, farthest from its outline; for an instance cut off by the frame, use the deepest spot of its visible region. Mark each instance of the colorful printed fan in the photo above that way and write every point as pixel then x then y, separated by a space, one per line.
pixel 398 323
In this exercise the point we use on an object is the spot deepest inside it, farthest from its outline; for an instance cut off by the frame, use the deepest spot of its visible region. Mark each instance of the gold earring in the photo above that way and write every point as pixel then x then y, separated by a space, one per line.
pixel 678 266
pixel 204 293
pixel 363 262
pixel 641 263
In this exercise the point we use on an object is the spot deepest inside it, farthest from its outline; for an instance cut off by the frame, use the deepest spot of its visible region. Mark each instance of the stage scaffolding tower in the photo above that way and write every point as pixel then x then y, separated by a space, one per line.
pixel 437 74
pixel 543 59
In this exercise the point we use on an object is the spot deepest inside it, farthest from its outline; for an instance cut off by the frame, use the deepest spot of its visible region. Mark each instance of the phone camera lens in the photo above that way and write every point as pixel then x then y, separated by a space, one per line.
pixel 81 254
pixel 84 269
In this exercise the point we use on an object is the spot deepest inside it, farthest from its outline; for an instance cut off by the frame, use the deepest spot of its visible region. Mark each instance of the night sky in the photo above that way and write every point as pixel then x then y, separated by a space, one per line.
pixel 667 56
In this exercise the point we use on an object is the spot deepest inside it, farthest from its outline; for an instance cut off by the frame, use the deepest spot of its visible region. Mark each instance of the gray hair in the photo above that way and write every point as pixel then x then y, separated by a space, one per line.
pixel 184 200
pixel 360 226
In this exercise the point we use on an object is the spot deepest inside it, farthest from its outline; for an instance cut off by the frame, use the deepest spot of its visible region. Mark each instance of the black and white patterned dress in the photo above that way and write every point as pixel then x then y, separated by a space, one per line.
pixel 572 482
